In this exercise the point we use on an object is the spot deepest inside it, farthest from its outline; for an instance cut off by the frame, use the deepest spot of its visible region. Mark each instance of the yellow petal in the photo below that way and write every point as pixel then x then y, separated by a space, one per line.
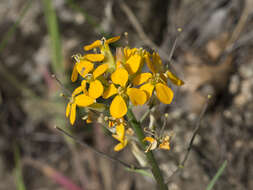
pixel 120 76
pixel 164 93
pixel 148 88
pixel 74 74
pixel 157 62
pixel 100 70
pixel 149 139
pixel 165 143
pixel 95 44
pixel 120 133
pixel 133 63
pixel 78 90
pixel 118 107
pixel 149 63
pixel 73 114
pixel 127 53
pixel 89 119
pixel 120 146
pixel 68 110
pixel 83 100
pixel 153 143
pixel 174 78
pixel 165 146
pixel 110 91
pixel 141 78
pixel 113 39
pixel 96 89
pixel 84 67
pixel 137 96
pixel 94 57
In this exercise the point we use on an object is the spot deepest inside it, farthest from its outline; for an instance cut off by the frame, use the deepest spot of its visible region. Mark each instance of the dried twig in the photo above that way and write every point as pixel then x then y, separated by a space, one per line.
pixel 137 26
pixel 195 132
pixel 240 24
pixel 234 43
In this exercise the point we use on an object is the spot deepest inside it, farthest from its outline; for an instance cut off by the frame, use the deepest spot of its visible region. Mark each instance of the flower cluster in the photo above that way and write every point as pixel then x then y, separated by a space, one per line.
pixel 114 82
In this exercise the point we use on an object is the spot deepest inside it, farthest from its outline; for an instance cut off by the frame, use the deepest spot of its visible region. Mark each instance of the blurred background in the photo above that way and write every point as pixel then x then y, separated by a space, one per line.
pixel 213 55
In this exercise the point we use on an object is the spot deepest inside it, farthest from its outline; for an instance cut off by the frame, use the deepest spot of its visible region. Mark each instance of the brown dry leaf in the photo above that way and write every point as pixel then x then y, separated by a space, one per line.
pixel 197 76
pixel 215 47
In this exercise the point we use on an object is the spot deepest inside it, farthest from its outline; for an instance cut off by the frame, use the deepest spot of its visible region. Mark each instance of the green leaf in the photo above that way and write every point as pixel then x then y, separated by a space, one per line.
pixel 141 171
pixel 217 175
pixel 18 171
pixel 53 30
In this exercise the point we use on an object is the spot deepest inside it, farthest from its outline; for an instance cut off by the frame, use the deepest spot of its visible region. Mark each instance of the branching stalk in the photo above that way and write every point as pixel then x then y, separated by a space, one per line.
pixel 150 157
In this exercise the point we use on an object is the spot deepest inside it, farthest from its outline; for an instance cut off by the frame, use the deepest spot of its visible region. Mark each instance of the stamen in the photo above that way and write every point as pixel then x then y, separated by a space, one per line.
pixel 77 57
pixel 103 40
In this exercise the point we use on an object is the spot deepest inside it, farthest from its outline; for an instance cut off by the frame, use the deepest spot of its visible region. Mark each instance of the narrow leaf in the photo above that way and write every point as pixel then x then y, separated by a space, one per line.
pixel 18 171
pixel 217 175
pixel 53 30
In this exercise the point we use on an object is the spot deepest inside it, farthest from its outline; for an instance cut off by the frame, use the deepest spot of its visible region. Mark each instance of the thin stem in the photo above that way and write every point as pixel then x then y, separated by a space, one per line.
pixel 150 157
pixel 195 132
pixel 145 115
pixel 97 151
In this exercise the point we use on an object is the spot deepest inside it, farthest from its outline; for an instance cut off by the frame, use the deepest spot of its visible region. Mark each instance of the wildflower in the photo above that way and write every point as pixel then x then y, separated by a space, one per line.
pixel 96 88
pixel 103 46
pixel 100 43
pixel 84 68
pixel 118 107
pixel 77 99
pixel 84 64
pixel 165 143
pixel 152 145
pixel 157 80
pixel 120 136
pixel 133 59
pixel 162 143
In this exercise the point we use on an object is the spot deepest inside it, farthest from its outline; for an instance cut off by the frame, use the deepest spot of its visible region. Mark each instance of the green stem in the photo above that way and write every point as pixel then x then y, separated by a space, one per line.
pixel 149 155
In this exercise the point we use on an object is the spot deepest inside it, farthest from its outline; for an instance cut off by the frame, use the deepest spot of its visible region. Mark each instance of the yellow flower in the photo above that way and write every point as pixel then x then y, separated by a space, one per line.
pixel 118 107
pixel 83 64
pixel 164 143
pixel 100 43
pixel 152 143
pixel 103 45
pixel 77 99
pixel 133 60
pixel 96 88
pixel 120 136
pixel 130 59
pixel 157 80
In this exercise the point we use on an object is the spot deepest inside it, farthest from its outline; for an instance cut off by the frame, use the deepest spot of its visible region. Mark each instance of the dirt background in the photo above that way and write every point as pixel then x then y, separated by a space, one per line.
pixel 213 55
